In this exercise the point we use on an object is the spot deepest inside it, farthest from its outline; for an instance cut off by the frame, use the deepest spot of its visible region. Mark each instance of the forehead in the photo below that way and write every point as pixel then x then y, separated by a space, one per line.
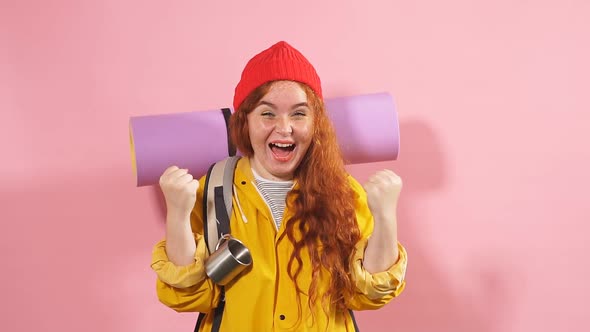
pixel 285 91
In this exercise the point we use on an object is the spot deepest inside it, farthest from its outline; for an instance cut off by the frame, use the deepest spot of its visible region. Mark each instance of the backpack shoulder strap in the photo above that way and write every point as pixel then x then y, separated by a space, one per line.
pixel 217 208
pixel 217 200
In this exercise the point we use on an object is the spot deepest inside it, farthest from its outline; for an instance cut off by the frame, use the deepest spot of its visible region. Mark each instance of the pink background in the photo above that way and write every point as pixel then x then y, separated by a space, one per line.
pixel 494 112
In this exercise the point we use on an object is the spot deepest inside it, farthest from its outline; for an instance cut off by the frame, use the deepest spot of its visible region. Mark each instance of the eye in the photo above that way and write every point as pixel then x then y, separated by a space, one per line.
pixel 300 113
pixel 267 114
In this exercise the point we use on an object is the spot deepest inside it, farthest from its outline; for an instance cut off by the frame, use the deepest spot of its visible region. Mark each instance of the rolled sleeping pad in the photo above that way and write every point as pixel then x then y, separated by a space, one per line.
pixel 366 126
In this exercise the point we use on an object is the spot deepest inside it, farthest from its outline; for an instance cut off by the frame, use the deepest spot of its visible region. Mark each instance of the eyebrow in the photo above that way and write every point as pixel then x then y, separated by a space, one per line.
pixel 262 102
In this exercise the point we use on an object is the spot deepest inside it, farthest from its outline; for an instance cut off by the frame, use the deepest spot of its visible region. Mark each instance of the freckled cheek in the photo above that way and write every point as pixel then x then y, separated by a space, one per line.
pixel 305 132
pixel 259 134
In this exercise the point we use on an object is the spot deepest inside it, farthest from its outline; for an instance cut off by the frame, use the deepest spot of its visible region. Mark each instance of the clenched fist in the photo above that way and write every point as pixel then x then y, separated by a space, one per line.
pixel 179 189
pixel 383 189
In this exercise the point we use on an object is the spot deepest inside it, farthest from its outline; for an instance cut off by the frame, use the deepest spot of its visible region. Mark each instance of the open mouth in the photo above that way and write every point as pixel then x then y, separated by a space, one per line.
pixel 281 150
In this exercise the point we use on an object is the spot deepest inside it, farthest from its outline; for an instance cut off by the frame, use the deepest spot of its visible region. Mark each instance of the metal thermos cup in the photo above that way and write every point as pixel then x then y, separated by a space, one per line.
pixel 227 261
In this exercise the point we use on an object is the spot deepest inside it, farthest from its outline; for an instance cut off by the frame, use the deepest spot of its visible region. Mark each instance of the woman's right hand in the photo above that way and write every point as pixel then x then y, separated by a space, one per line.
pixel 179 189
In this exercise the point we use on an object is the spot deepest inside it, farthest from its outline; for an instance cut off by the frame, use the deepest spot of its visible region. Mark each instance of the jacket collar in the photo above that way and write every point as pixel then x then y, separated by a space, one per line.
pixel 245 185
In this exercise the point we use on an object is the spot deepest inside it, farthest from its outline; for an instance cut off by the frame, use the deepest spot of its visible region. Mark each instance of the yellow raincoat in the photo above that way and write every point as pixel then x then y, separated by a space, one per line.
pixel 263 298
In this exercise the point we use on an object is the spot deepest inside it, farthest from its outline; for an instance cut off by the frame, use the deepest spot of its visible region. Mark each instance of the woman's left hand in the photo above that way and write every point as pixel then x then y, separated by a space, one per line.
pixel 383 189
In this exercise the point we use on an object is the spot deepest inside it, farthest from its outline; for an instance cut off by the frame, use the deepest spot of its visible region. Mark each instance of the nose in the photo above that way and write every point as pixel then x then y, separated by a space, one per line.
pixel 284 127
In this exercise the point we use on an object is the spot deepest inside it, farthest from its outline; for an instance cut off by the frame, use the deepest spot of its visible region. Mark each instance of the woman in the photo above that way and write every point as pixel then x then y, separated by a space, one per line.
pixel 321 243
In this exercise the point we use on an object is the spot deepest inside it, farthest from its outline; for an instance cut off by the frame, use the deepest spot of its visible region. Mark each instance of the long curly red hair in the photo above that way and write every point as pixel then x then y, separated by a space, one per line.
pixel 325 218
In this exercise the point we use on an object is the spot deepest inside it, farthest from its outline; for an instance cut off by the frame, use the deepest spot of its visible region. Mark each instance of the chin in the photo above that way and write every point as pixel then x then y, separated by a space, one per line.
pixel 283 172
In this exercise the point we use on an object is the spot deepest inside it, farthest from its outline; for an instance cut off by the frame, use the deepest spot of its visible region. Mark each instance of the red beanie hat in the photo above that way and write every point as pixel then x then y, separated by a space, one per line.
pixel 279 62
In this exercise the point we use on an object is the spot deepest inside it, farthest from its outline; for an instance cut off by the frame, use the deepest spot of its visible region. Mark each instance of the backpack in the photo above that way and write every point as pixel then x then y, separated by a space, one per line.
pixel 217 206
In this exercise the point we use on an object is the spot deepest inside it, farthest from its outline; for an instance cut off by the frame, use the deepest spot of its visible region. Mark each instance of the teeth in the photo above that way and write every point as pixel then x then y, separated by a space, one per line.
pixel 282 145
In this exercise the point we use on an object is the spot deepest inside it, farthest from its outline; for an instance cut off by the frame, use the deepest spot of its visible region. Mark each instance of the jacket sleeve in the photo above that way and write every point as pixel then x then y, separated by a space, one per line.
pixel 375 290
pixel 186 288
pixel 372 291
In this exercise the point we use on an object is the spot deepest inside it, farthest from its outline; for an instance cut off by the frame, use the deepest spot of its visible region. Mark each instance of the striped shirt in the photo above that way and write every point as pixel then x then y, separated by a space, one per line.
pixel 275 195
